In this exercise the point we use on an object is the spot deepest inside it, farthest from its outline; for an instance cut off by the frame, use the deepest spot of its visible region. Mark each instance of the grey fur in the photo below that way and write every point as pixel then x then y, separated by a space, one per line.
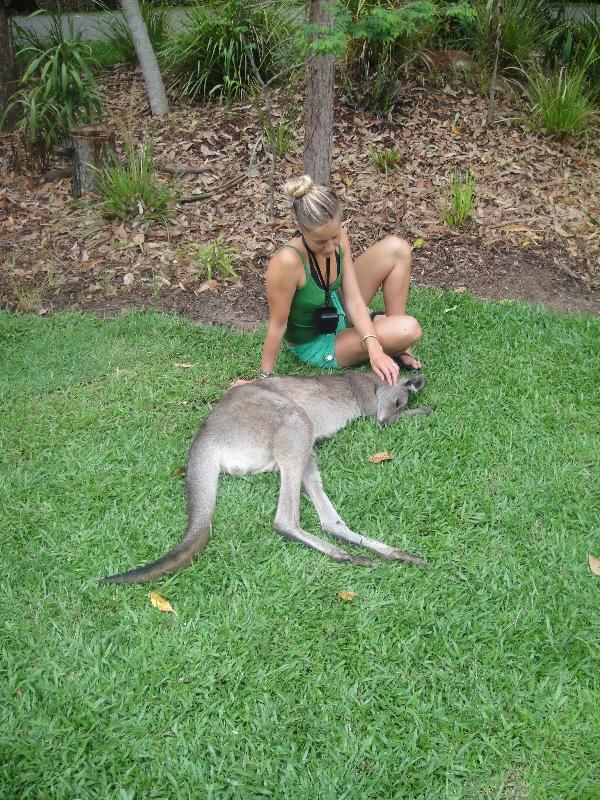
pixel 272 425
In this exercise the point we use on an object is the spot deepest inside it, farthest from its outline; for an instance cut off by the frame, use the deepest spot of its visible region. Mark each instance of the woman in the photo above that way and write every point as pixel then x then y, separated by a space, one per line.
pixel 312 270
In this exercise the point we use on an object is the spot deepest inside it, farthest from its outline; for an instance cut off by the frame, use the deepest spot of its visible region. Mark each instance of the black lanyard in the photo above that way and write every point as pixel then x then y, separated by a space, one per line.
pixel 316 271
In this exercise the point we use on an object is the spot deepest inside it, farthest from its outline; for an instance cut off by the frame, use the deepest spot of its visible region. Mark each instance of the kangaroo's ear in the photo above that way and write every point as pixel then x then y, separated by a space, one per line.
pixel 415 382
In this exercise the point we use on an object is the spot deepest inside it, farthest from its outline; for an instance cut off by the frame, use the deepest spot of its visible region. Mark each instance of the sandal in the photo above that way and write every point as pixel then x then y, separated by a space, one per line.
pixel 405 367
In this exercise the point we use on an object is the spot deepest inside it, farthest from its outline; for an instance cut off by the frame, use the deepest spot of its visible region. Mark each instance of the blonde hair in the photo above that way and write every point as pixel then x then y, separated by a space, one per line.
pixel 314 205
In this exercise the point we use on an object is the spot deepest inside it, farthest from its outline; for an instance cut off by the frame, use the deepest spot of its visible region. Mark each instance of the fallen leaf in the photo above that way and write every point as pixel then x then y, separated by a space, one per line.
pixel 179 472
pixel 379 457
pixel 120 233
pixel 594 564
pixel 512 227
pixel 184 366
pixel 345 178
pixel 139 238
pixel 418 242
pixel 346 596
pixel 207 286
pixel 128 278
pixel 160 603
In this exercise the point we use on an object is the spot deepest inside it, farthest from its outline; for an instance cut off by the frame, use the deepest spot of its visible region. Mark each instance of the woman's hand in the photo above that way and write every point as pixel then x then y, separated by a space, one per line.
pixel 382 365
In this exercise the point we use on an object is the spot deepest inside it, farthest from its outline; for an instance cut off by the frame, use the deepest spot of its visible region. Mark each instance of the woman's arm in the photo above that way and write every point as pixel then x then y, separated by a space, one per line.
pixel 284 273
pixel 357 310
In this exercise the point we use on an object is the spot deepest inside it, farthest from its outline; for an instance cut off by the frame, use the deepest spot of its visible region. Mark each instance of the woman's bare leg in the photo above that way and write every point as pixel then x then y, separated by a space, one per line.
pixel 384 265
pixel 396 335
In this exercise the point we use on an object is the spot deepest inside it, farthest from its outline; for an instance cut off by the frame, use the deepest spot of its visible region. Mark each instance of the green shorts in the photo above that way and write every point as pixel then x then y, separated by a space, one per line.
pixel 320 351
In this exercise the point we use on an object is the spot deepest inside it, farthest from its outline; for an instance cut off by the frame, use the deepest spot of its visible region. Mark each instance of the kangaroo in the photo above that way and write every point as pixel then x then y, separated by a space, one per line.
pixel 271 426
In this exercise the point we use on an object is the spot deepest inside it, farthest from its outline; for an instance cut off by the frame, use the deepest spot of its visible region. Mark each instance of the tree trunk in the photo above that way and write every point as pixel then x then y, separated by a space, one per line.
pixel 139 33
pixel 7 61
pixel 319 105
pixel 92 146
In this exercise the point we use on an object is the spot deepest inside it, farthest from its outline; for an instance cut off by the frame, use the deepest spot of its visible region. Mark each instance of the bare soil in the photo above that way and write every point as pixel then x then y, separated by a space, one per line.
pixel 534 234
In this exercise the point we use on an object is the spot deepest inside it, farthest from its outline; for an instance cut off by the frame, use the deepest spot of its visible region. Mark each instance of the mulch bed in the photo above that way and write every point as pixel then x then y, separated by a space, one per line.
pixel 534 235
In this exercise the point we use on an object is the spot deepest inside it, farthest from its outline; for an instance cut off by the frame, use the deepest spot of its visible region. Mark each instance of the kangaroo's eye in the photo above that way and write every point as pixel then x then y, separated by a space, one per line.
pixel 398 403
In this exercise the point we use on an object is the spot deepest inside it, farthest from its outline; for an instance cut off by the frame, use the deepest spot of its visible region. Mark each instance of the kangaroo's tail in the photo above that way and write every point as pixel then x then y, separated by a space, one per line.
pixel 201 507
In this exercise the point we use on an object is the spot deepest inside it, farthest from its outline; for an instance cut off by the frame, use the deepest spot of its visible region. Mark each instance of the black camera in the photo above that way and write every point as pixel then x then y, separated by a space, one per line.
pixel 326 319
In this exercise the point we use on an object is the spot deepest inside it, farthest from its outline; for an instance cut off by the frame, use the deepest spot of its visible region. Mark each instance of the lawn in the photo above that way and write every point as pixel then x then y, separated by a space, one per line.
pixel 474 678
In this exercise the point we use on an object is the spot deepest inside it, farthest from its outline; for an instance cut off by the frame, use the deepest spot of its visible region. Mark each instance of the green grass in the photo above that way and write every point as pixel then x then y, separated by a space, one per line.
pixel 475 678
pixel 461 198
pixel 384 159
pixel 104 53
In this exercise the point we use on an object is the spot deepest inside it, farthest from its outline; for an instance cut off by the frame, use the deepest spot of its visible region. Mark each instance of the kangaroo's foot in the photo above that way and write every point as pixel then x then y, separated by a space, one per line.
pixel 393 554
pixel 309 540
pixel 340 530
pixel 334 525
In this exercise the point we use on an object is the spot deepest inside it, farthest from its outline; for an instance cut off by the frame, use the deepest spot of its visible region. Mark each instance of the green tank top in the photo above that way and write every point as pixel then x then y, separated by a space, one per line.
pixel 301 320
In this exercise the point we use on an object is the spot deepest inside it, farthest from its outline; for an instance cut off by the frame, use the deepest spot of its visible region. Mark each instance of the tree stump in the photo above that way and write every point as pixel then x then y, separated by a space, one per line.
pixel 92 148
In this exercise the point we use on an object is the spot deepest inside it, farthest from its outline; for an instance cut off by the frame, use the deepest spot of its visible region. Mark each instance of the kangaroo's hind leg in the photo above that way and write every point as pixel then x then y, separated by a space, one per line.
pixel 292 449
pixel 334 525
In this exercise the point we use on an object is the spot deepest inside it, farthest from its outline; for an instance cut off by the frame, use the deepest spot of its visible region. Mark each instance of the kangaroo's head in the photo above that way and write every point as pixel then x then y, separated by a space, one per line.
pixel 392 400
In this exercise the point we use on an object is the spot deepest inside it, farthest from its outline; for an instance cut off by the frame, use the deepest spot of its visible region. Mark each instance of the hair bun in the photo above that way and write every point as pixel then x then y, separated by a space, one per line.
pixel 298 187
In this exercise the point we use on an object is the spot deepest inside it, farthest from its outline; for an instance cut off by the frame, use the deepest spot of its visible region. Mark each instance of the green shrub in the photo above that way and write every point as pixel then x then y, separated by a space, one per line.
pixel 373 89
pixel 528 29
pixel 560 101
pixel 454 26
pixel 380 41
pixel 581 46
pixel 211 58
pixel 57 90
pixel 461 199
pixel 132 189
pixel 589 54
pixel 116 32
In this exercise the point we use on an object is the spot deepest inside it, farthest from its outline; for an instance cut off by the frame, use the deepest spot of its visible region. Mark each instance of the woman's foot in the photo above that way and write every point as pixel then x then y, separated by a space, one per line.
pixel 407 361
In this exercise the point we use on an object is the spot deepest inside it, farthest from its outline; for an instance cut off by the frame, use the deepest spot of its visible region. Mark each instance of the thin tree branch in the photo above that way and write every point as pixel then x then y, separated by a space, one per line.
pixel 194 198
pixel 490 112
